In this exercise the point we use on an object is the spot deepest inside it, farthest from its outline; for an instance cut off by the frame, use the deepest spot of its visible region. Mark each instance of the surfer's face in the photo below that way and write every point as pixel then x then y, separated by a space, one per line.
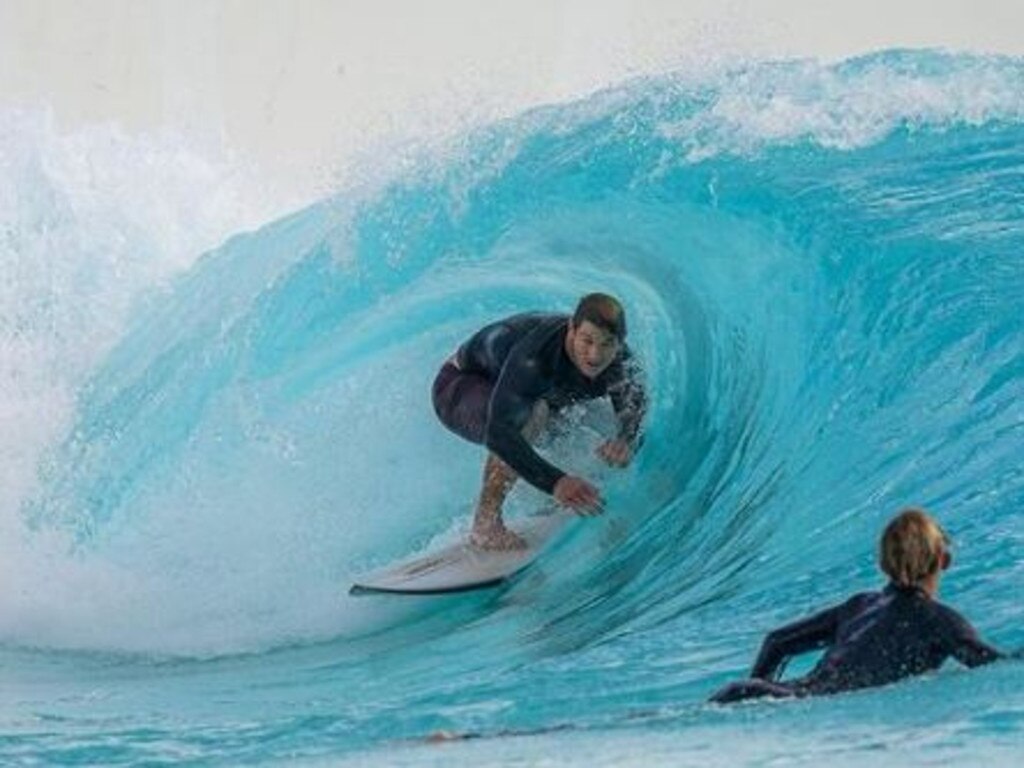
pixel 590 348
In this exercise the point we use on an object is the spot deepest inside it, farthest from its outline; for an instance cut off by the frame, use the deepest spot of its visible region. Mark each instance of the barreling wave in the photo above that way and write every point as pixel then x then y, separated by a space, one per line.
pixel 822 270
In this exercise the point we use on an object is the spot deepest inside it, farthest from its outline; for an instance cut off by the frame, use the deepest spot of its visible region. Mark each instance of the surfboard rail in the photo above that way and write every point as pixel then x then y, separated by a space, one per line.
pixel 461 567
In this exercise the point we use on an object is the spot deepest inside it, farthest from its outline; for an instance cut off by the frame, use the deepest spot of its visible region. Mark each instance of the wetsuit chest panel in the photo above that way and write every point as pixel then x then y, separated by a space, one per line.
pixel 538 340
pixel 524 356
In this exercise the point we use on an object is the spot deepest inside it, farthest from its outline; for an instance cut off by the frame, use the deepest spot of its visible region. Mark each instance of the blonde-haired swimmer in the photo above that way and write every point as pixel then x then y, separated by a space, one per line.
pixel 875 638
pixel 914 550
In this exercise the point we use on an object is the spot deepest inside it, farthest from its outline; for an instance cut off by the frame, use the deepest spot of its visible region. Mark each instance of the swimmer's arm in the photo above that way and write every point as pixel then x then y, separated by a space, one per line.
pixel 793 639
pixel 967 646
pixel 977 652
pixel 508 412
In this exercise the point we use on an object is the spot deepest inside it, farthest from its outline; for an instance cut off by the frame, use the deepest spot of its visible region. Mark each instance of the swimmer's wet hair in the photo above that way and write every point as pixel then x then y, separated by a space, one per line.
pixel 913 547
pixel 602 310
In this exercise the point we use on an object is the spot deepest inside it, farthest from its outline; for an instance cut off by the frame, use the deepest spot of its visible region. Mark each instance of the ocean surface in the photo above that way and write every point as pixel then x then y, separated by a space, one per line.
pixel 211 421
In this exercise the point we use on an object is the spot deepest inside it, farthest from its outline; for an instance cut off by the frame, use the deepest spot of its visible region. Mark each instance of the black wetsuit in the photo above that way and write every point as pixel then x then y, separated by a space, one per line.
pixel 487 391
pixel 872 639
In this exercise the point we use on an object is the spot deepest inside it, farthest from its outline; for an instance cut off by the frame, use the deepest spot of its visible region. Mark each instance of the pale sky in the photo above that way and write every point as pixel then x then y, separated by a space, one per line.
pixel 300 86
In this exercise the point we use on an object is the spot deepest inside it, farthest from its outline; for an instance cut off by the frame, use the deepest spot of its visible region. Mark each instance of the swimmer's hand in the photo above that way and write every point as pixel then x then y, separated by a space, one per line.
pixel 618 453
pixel 582 497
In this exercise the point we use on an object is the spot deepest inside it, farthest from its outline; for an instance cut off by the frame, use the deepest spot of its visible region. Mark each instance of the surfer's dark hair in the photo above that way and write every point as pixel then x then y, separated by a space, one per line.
pixel 602 310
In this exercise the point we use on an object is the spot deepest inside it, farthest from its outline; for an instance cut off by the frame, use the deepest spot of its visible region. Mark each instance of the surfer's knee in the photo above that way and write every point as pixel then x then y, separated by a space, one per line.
pixel 496 470
pixel 538 421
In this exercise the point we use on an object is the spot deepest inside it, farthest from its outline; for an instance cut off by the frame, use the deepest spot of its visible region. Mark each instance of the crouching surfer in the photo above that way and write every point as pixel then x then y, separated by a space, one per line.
pixel 503 384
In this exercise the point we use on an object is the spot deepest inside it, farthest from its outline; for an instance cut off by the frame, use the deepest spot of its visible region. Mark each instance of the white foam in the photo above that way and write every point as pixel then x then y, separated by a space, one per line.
pixel 846 107
pixel 92 220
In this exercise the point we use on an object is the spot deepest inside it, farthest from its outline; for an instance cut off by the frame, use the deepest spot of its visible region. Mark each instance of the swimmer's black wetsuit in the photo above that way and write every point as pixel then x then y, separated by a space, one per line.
pixel 487 391
pixel 872 639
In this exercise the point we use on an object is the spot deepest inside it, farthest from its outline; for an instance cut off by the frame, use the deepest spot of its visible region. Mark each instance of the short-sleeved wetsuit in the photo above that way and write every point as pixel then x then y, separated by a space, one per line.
pixel 487 390
pixel 874 638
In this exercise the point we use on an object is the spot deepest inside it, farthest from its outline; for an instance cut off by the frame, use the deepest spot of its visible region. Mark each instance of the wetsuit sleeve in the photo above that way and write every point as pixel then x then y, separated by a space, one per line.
pixel 966 646
pixel 629 400
pixel 816 631
pixel 511 405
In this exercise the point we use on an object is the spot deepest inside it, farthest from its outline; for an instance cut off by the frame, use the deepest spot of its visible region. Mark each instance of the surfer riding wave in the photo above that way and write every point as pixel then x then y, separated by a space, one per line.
pixel 503 384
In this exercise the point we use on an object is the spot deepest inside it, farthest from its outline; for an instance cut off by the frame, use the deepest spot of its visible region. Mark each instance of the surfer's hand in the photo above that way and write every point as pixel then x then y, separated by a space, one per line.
pixel 618 453
pixel 581 496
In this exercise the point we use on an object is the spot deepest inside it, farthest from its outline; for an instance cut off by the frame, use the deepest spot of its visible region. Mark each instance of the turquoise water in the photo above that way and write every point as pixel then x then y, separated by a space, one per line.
pixel 823 271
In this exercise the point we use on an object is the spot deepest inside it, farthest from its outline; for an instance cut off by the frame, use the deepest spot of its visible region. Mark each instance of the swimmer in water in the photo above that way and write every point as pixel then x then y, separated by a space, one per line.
pixel 875 638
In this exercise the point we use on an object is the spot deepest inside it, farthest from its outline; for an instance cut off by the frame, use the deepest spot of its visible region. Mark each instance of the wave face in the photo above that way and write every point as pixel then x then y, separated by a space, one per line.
pixel 822 267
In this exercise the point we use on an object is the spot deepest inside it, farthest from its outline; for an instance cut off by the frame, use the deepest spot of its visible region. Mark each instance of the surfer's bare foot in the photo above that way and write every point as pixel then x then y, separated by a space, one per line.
pixel 496 537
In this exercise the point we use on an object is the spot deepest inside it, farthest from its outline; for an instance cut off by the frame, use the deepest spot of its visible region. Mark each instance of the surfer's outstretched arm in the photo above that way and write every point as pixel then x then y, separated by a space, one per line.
pixel 508 416
pixel 513 422
pixel 629 400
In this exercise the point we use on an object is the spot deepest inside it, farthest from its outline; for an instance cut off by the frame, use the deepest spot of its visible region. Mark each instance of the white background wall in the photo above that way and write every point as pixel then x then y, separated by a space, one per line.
pixel 299 86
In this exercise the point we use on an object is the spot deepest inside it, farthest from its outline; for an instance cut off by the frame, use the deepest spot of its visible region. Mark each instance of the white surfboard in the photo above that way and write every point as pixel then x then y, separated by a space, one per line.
pixel 461 567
